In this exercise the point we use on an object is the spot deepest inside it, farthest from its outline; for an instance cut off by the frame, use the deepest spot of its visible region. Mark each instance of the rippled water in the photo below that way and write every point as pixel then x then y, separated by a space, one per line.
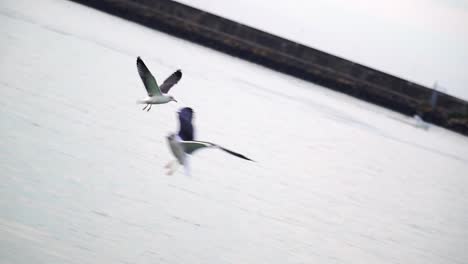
pixel 82 167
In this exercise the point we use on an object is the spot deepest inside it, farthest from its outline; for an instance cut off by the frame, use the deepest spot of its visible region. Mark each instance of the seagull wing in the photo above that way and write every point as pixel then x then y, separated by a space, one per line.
pixel 171 81
pixel 192 146
pixel 148 79
pixel 185 124
pixel 234 153
pixel 185 130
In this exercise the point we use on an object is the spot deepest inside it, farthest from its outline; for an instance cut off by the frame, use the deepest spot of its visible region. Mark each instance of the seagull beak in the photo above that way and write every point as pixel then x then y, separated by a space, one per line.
pixel 174 100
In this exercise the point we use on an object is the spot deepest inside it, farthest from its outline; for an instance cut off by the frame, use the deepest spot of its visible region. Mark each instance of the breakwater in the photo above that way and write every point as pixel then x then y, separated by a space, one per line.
pixel 292 58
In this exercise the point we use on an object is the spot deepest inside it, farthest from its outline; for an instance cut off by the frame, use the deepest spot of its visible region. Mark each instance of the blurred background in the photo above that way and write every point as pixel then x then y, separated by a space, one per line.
pixel 423 41
pixel 337 179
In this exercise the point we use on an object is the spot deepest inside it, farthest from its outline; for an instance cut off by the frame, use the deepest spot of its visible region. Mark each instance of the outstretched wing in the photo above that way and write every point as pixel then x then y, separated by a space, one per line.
pixel 148 79
pixel 235 153
pixel 191 146
pixel 171 81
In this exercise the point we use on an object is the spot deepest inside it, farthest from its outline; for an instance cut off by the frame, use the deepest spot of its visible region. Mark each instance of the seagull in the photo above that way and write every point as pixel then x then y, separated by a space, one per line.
pixel 181 149
pixel 183 143
pixel 156 94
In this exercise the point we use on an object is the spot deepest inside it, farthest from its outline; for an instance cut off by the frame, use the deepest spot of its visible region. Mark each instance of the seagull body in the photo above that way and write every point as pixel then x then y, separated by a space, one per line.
pixel 156 94
pixel 183 144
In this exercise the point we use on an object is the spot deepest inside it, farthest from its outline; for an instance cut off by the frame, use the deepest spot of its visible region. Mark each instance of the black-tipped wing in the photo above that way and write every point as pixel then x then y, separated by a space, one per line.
pixel 192 146
pixel 148 79
pixel 234 153
pixel 171 81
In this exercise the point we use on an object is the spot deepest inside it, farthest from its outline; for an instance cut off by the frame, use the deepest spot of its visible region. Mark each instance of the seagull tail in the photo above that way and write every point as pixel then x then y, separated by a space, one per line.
pixel 140 102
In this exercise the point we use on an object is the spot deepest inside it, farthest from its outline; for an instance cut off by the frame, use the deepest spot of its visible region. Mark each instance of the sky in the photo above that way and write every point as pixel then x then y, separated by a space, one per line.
pixel 423 41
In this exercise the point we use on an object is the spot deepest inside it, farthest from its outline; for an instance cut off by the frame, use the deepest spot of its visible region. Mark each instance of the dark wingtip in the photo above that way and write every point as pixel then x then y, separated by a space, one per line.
pixel 244 157
pixel 249 159
pixel 236 154
pixel 179 73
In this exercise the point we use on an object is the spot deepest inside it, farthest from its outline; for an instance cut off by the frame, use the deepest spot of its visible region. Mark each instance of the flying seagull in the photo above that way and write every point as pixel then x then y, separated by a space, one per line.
pixel 156 94
pixel 181 149
pixel 183 144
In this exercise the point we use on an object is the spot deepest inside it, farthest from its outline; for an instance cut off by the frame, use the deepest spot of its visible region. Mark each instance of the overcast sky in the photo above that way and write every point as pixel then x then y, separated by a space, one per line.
pixel 419 40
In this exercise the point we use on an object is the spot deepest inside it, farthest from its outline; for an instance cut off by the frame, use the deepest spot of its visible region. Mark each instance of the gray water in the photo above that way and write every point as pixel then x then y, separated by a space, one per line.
pixel 336 180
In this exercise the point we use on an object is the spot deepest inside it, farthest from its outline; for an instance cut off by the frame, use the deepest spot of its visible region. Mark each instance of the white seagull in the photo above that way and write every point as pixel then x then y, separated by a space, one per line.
pixel 181 149
pixel 156 94
pixel 183 143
